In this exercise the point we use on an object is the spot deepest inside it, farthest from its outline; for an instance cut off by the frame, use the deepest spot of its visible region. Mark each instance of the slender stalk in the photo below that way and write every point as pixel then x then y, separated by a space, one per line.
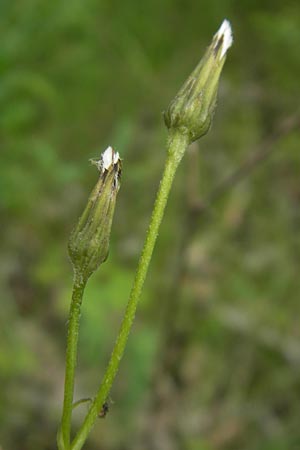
pixel 177 145
pixel 71 360
pixel 81 401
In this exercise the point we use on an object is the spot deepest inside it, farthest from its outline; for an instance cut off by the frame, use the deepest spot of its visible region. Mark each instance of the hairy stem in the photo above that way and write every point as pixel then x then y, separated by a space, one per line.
pixel 177 145
pixel 64 433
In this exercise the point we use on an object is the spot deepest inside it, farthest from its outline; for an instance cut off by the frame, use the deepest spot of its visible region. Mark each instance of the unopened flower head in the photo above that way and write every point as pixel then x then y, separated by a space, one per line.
pixel 191 111
pixel 89 241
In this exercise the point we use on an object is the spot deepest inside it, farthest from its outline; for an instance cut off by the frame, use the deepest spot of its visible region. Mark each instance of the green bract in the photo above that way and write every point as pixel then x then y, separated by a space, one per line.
pixel 191 111
pixel 89 241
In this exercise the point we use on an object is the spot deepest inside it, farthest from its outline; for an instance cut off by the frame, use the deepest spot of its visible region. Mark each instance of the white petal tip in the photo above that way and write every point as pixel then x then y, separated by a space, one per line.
pixel 109 157
pixel 224 33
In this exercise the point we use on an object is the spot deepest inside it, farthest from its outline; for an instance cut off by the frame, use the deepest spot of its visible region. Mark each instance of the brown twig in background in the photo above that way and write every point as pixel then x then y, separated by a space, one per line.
pixel 257 156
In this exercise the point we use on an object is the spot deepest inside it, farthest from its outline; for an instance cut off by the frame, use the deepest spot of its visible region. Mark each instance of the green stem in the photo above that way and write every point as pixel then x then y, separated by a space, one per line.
pixel 177 145
pixel 71 360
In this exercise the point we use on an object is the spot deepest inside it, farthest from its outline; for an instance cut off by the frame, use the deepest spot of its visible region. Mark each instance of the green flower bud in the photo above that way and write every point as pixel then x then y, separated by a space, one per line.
pixel 89 241
pixel 191 111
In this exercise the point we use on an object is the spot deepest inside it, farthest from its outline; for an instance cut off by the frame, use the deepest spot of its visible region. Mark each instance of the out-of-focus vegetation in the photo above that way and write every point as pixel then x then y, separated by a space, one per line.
pixel 214 359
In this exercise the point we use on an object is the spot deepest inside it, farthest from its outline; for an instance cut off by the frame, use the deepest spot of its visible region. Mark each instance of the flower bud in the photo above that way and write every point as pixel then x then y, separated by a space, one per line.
pixel 191 111
pixel 89 241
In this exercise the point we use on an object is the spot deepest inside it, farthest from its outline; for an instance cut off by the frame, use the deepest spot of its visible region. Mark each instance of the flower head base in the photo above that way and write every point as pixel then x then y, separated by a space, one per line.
pixel 89 241
pixel 191 111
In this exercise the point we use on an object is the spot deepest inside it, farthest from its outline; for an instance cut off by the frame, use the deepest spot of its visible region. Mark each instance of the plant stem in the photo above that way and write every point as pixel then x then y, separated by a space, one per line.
pixel 177 145
pixel 71 360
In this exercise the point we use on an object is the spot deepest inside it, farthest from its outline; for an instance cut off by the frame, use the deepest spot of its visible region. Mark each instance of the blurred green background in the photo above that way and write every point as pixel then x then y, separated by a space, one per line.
pixel 213 362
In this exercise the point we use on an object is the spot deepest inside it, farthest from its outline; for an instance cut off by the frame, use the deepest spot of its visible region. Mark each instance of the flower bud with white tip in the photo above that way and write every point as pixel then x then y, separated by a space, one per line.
pixel 89 241
pixel 191 111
